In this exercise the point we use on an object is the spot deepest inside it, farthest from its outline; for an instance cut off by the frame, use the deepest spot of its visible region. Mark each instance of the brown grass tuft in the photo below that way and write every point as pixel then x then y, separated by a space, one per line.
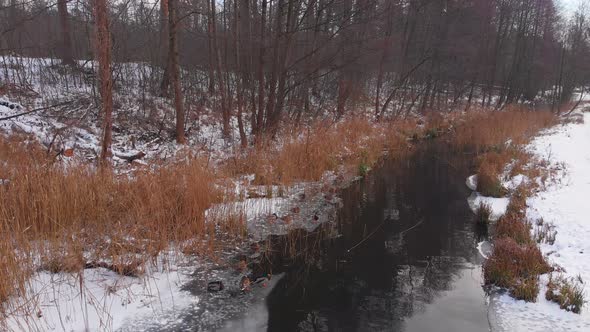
pixel 568 293
pixel 509 226
pixel 483 214
pixel 526 289
pixel 511 262
pixel 488 181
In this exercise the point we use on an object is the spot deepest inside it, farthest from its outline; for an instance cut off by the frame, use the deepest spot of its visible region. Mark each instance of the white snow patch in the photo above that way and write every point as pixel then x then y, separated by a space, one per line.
pixel 471 182
pixel 484 248
pixel 515 181
pixel 101 300
pixel 498 205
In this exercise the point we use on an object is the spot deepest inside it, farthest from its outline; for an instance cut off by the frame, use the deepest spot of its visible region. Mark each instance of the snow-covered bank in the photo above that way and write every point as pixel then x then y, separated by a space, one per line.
pixel 564 204
pixel 101 300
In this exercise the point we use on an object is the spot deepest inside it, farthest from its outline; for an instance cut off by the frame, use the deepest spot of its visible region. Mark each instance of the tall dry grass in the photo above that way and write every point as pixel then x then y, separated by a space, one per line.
pixel 482 130
pixel 60 218
pixel 306 154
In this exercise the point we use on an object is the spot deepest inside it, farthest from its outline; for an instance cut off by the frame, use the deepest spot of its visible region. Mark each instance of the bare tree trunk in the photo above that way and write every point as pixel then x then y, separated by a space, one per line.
pixel 282 71
pixel 272 93
pixel 261 92
pixel 165 57
pixel 343 94
pixel 211 66
pixel 175 71
pixel 223 96
pixel 66 47
pixel 240 80
pixel 103 53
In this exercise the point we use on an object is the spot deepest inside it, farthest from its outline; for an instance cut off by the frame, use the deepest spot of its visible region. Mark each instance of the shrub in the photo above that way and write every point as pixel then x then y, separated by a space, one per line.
pixel 568 293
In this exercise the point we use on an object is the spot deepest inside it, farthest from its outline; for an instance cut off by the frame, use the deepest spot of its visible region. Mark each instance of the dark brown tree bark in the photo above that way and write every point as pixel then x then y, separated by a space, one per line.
pixel 66 41
pixel 165 57
pixel 211 57
pixel 241 80
pixel 261 63
pixel 103 54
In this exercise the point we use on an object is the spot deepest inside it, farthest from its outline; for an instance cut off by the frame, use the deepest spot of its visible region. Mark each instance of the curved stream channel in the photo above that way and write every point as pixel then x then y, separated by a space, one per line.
pixel 405 258
pixel 402 256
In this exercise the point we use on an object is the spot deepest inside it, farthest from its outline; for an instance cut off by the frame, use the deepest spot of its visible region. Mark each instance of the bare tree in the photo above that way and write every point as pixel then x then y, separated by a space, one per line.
pixel 66 46
pixel 103 54
pixel 175 71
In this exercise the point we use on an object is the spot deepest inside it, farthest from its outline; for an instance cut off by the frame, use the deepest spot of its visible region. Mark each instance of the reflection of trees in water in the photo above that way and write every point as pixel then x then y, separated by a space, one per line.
pixel 391 275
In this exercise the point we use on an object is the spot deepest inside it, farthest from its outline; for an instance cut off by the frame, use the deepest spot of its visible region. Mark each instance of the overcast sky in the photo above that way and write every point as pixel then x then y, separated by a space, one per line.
pixel 570 5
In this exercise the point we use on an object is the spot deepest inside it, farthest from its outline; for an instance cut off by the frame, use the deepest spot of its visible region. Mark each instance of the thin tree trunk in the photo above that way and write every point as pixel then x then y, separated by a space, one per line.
pixel 240 80
pixel 165 57
pixel 261 92
pixel 103 53
pixel 66 51
pixel 210 22
pixel 175 72
pixel 218 69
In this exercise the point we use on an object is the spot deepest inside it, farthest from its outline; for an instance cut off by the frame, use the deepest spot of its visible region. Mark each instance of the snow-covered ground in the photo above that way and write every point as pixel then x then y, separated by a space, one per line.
pixel 101 300
pixel 566 205
pixel 68 112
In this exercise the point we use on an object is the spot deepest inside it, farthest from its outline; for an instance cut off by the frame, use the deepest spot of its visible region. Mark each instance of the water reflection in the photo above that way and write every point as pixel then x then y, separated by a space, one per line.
pixel 407 242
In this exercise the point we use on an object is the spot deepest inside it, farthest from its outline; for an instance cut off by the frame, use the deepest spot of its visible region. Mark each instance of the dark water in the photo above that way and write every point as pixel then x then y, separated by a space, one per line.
pixel 401 257
pixel 405 260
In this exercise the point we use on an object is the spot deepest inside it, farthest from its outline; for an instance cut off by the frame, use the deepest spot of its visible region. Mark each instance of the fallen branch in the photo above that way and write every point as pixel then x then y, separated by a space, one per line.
pixel 131 158
pixel 576 105
pixel 35 110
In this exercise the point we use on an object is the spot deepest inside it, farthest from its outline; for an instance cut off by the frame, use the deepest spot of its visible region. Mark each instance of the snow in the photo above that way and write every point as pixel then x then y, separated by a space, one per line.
pixel 515 181
pixel 497 205
pixel 485 249
pixel 101 300
pixel 142 123
pixel 471 182
pixel 565 205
